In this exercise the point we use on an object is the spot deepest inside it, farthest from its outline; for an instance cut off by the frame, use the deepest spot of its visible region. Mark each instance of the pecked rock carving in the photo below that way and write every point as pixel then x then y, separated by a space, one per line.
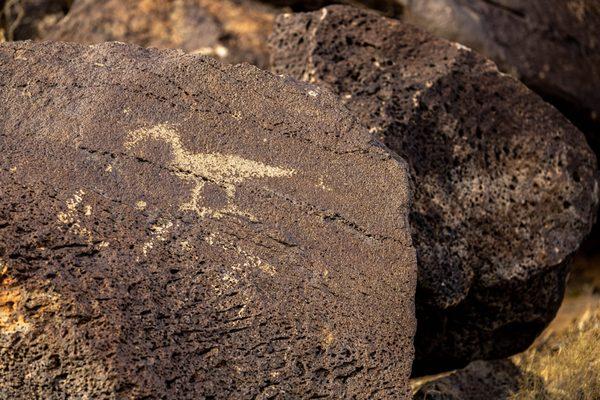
pixel 225 170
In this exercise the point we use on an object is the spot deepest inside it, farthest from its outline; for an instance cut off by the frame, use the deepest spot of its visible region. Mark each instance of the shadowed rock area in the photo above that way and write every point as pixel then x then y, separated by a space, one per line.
pixel 171 227
pixel 481 380
pixel 505 186
pixel 553 47
pixel 233 31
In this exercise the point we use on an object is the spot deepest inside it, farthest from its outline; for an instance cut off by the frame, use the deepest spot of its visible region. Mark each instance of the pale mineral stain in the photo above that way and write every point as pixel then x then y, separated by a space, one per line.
pixel 225 170
pixel 328 337
pixel 140 205
pixel 11 319
pixel 14 316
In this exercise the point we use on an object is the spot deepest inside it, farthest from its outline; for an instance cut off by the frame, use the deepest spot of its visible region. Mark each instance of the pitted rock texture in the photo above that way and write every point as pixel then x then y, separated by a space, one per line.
pixel 481 380
pixel 171 227
pixel 505 186
pixel 554 47
pixel 30 19
pixel 230 30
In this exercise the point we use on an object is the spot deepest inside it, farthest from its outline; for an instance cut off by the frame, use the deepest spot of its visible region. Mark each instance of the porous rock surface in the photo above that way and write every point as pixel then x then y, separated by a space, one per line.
pixel 505 186
pixel 554 47
pixel 171 227
pixel 230 30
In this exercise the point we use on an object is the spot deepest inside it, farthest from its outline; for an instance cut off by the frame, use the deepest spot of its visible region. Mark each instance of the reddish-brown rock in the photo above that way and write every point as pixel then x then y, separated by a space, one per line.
pixel 171 227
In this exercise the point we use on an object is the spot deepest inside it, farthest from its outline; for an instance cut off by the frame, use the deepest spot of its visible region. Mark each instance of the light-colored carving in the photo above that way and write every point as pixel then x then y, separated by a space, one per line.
pixel 224 170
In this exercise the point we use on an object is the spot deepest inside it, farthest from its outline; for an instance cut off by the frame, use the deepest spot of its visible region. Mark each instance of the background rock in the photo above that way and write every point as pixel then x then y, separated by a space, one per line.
pixel 391 8
pixel 30 19
pixel 554 49
pixel 232 30
pixel 171 227
pixel 506 187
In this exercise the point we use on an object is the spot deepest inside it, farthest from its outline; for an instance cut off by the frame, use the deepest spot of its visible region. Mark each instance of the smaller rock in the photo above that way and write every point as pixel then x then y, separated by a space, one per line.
pixel 481 380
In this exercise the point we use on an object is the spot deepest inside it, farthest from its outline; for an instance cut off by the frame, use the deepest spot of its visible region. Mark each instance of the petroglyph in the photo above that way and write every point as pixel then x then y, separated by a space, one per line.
pixel 225 170
pixel 251 261
pixel 71 219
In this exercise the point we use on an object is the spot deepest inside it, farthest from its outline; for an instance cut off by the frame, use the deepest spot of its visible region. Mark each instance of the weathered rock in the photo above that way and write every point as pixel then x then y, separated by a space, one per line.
pixel 234 31
pixel 505 186
pixel 30 19
pixel 171 227
pixel 481 380
pixel 554 49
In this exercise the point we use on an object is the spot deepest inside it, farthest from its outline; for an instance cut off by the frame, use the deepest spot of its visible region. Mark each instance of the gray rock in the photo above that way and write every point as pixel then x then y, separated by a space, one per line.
pixel 506 187
pixel 171 227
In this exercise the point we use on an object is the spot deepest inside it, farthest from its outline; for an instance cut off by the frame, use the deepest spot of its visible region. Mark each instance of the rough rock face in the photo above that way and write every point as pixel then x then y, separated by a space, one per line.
pixel 554 49
pixel 234 31
pixel 171 227
pixel 30 19
pixel 481 380
pixel 505 185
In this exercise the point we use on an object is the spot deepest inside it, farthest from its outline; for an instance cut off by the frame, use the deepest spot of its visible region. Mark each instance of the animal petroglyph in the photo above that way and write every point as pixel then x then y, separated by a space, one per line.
pixel 224 170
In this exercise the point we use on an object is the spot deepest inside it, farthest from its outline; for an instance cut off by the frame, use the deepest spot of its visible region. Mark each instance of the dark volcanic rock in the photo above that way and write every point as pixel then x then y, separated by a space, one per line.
pixel 554 47
pixel 171 227
pixel 481 380
pixel 505 185
pixel 30 19
pixel 234 31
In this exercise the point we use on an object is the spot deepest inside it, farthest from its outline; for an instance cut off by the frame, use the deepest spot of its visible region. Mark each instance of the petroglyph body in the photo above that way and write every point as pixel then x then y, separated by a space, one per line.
pixel 225 170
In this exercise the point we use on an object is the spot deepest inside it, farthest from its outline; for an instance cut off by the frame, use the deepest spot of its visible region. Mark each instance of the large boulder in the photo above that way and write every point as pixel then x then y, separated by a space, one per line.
pixel 171 227
pixel 505 186
pixel 233 31
pixel 553 47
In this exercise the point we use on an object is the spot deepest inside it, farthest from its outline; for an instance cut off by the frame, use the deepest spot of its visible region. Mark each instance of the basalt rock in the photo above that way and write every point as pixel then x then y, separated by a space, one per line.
pixel 171 227
pixel 233 31
pixel 505 186
pixel 553 47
